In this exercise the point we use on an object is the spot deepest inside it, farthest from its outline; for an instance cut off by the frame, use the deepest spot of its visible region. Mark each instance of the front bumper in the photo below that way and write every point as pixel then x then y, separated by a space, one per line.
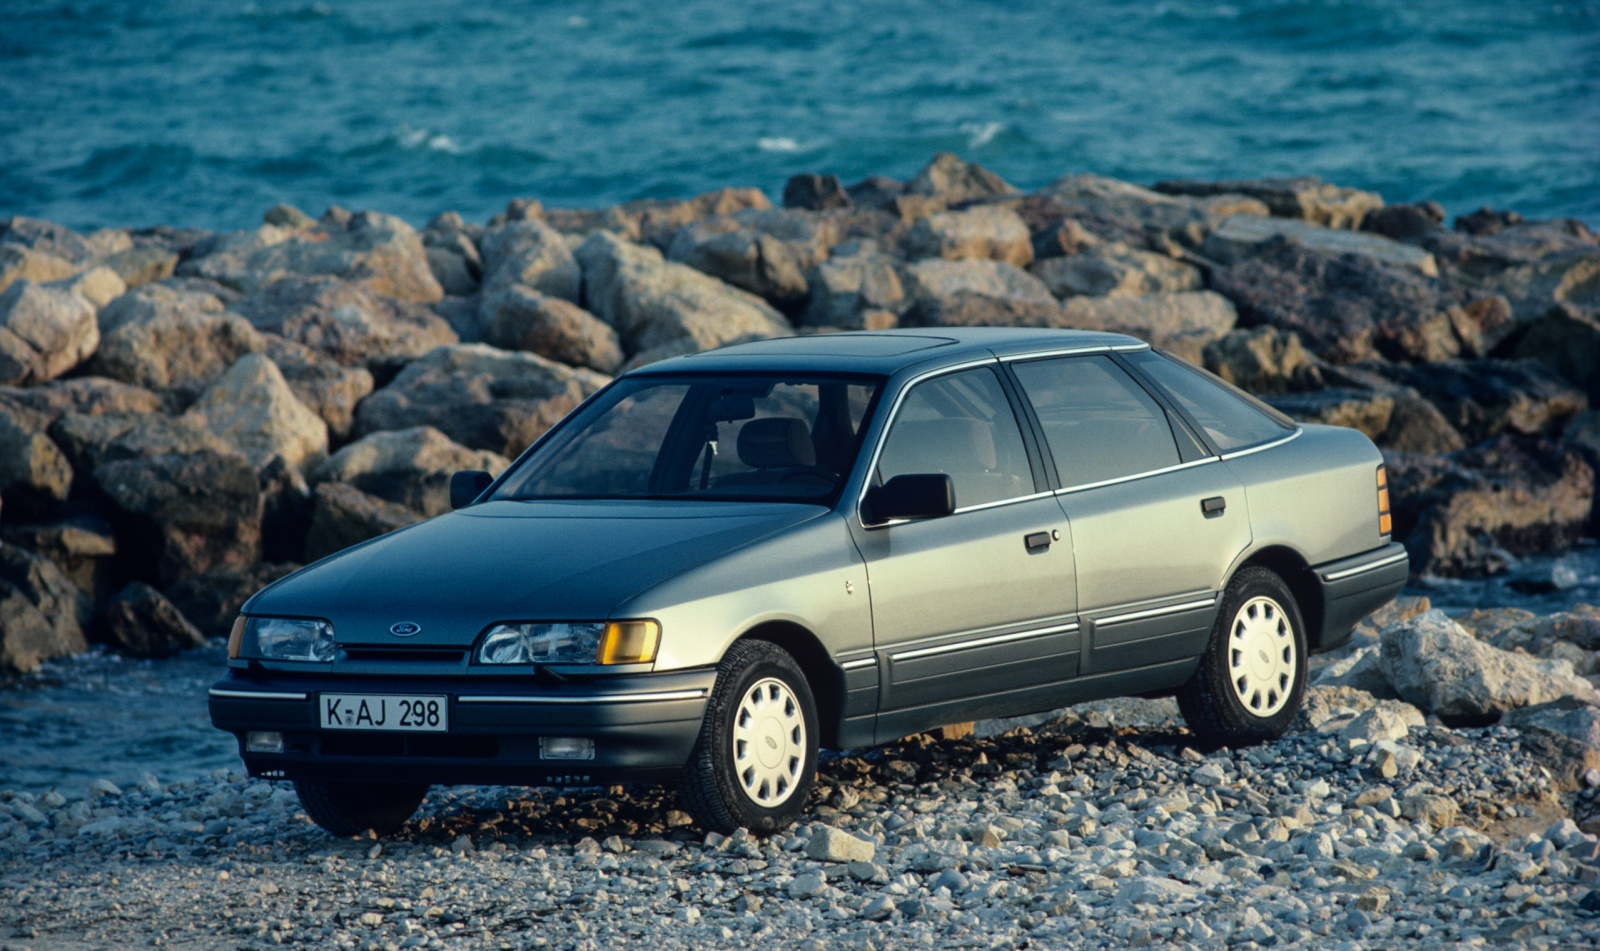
pixel 644 728
pixel 1353 588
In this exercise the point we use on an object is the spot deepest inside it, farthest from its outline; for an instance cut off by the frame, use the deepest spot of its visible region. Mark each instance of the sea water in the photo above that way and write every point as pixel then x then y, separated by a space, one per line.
pixel 204 113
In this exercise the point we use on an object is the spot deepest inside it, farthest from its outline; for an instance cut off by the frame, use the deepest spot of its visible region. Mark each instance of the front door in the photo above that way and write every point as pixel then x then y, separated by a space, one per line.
pixel 974 614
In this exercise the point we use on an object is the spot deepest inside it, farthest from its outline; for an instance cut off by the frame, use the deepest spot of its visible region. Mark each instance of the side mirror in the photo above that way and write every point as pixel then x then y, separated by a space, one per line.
pixel 466 486
pixel 911 496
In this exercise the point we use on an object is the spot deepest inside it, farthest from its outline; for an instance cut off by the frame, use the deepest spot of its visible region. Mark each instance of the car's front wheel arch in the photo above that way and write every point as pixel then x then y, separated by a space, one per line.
pixel 822 674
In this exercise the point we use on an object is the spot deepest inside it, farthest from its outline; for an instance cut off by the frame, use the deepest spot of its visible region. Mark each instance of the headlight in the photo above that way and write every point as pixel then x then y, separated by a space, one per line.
pixel 281 638
pixel 571 642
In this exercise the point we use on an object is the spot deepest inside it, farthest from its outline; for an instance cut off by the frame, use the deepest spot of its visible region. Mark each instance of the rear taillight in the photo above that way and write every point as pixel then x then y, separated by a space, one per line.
pixel 1385 524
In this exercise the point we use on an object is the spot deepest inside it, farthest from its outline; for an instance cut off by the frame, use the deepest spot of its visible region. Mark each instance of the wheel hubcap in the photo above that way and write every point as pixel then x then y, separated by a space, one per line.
pixel 769 743
pixel 1261 656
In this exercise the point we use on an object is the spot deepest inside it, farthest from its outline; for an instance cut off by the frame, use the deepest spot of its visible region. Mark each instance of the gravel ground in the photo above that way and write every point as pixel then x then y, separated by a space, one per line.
pixel 1080 832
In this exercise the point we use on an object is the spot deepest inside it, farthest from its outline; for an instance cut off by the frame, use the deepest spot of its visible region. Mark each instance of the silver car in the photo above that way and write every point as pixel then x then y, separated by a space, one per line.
pixel 721 563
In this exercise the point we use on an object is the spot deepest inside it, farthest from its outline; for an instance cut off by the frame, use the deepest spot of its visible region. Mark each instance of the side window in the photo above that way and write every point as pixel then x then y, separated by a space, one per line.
pixel 961 425
pixel 1231 418
pixel 1099 423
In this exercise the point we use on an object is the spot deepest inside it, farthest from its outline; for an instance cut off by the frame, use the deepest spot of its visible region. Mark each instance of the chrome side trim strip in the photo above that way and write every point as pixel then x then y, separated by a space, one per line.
pixel 858 664
pixel 592 698
pixel 984 642
pixel 255 695
pixel 1138 475
pixel 1156 612
pixel 1374 566
pixel 997 504
pixel 1264 446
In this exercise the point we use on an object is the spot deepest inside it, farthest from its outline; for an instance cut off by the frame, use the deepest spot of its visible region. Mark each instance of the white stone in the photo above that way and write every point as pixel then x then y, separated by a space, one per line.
pixel 253 410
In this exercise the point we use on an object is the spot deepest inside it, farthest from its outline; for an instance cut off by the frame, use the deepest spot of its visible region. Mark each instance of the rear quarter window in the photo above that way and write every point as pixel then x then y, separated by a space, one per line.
pixel 1230 418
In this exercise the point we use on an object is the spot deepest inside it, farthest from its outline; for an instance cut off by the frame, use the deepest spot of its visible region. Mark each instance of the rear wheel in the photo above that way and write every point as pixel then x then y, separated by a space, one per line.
pixel 756 759
pixel 1252 677
pixel 346 809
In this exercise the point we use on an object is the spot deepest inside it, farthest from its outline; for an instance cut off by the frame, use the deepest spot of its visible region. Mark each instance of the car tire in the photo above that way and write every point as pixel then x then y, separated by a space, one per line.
pixel 346 809
pixel 755 761
pixel 1252 676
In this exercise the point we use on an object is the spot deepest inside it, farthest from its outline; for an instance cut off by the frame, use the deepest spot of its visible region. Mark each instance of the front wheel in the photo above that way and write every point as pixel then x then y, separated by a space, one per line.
pixel 1252 676
pixel 756 759
pixel 346 809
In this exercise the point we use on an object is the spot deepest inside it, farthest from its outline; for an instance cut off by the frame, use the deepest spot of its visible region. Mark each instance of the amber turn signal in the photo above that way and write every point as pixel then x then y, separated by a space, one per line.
pixel 1385 523
pixel 236 637
pixel 629 642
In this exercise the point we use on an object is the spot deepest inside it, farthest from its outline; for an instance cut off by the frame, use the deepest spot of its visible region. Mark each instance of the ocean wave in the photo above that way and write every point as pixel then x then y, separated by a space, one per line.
pixel 980 134
pixel 783 143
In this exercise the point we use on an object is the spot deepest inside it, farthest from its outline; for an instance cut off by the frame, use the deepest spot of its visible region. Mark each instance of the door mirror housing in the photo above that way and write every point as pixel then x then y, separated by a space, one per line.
pixel 929 495
pixel 466 486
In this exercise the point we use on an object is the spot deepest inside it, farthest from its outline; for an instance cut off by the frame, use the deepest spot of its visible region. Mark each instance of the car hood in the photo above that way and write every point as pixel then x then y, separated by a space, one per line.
pixel 499 561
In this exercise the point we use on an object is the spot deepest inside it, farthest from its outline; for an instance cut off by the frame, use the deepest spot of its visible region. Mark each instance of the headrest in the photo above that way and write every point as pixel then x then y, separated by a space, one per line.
pixel 942 445
pixel 777 442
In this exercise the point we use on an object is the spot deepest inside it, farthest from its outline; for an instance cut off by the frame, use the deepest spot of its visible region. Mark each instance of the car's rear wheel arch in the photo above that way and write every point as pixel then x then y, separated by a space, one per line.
pixel 1287 564
pixel 822 674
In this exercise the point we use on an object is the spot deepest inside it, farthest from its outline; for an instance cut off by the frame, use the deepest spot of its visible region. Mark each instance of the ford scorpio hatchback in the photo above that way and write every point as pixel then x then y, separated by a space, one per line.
pixel 723 562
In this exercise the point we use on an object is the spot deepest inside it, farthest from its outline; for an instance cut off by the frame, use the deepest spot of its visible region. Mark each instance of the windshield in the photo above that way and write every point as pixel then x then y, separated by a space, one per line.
pixel 762 437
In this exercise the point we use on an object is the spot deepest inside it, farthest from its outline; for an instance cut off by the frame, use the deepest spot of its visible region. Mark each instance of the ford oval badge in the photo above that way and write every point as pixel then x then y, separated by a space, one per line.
pixel 405 629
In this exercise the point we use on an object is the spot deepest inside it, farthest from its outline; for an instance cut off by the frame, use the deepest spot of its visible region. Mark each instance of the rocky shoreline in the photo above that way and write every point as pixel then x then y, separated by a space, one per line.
pixel 185 416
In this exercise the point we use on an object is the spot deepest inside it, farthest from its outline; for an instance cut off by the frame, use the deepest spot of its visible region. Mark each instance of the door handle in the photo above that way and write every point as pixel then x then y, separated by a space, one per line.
pixel 1213 506
pixel 1037 541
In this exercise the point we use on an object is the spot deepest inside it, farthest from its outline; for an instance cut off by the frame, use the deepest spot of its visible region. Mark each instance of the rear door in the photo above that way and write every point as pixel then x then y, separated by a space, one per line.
pixel 1156 519
pixel 973 613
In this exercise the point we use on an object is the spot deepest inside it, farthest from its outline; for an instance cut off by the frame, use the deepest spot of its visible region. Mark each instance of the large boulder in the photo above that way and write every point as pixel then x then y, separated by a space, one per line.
pixel 343 515
pixel 1363 410
pixel 1307 198
pixel 1240 236
pixel 90 395
pixel 1567 340
pixel 1182 322
pixel 978 310
pixel 1483 398
pixel 329 389
pixel 34 473
pixel 47 237
pixel 530 253
pixel 1262 360
pixel 516 317
pixel 163 337
pixel 25 264
pixel 1346 306
pixel 42 614
pixel 954 180
pixel 1115 210
pixel 44 332
pixel 481 397
pixel 1536 265
pixel 140 622
pixel 212 600
pixel 985 232
pixel 379 252
pixel 178 516
pixel 1564 735
pixel 82 546
pixel 1433 663
pixel 650 301
pixel 858 288
pixel 934 278
pixel 346 321
pixel 410 467
pixel 1115 269
pixel 90 439
pixel 764 251
pixel 1462 513
pixel 142 264
pixel 252 409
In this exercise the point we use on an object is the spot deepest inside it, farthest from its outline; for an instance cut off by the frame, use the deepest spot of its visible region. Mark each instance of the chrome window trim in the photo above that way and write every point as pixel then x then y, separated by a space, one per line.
pixel 859 664
pixel 1262 447
pixel 1141 475
pixel 1075 351
pixel 255 694
pixel 984 642
pixel 591 698
pixel 1157 612
pixel 1372 566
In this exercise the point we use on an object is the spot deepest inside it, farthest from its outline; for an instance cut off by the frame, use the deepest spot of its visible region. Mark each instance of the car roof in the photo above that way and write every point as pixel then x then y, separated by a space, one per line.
pixel 886 351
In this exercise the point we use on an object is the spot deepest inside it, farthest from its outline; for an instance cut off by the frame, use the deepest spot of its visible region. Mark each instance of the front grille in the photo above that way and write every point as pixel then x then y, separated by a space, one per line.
pixel 428 655
pixel 439 746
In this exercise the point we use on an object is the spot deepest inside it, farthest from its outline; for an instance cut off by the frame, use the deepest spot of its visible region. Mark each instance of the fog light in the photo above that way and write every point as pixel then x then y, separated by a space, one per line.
pixel 565 747
pixel 263 741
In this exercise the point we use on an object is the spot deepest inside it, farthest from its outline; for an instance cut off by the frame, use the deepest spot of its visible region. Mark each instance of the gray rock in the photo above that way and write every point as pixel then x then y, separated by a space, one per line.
pixel 161 337
pixel 141 623
pixel 1115 269
pixel 934 278
pixel 1183 322
pixel 851 291
pixel 26 264
pixel 650 301
pixel 343 515
pixel 1238 236
pixel 479 396
pixel 1120 211
pixel 46 236
pixel 380 252
pixel 329 389
pixel 530 253
pixel 1567 340
pixel 212 600
pixel 1360 671
pixel 1390 721
pixel 1436 665
pixel 986 232
pixel 1483 398
pixel 948 177
pixel 410 467
pixel 98 285
pixel 346 321
pixel 181 515
pixel 808 885
pixel 252 409
pixel 42 615
pixel 516 317
pixel 836 845
pixel 143 264
pixel 1306 198
pixel 33 471
pixel 56 326
pixel 1362 410
pixel 80 545
pixel 764 251
pixel 815 192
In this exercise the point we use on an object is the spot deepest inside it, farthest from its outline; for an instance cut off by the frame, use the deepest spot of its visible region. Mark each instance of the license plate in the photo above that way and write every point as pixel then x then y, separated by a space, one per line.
pixel 347 711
